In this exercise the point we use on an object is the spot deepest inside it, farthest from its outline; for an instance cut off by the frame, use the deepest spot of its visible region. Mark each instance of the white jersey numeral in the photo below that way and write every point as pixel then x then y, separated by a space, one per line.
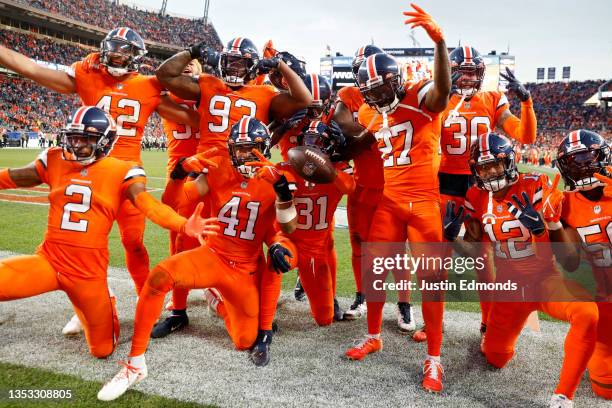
pixel 229 215
pixel 81 208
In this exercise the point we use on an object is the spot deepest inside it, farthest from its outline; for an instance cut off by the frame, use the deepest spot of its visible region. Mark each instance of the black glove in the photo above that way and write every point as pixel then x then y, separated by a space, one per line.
pixel 265 65
pixel 277 254
pixel 178 172
pixel 292 122
pixel 526 214
pixel 337 135
pixel 514 85
pixel 452 221
pixel 283 192
pixel 208 55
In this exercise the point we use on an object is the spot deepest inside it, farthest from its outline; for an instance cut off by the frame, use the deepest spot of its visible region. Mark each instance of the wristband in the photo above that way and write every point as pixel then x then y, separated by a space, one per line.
pixel 554 226
pixel 285 215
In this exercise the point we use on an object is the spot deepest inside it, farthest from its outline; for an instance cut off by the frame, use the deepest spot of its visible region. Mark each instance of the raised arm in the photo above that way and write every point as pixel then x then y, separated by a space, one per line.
pixel 170 75
pixel 286 104
pixel 438 95
pixel 523 129
pixel 49 78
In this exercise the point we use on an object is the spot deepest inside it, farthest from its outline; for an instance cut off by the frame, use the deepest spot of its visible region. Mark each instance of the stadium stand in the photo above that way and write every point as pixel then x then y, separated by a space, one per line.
pixel 152 26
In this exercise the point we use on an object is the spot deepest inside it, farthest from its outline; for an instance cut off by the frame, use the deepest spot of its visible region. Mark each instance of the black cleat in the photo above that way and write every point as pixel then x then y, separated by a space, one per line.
pixel 338 313
pixel 178 320
pixel 357 309
pixel 298 292
pixel 260 355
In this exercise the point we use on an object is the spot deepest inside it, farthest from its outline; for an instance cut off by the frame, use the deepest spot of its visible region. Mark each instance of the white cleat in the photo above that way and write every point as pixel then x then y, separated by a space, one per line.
pixel 169 306
pixel 357 309
pixel 124 379
pixel 214 299
pixel 560 401
pixel 405 317
pixel 73 327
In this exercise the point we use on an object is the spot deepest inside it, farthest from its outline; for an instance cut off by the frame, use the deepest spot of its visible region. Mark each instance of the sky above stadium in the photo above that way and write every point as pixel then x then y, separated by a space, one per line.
pixel 539 33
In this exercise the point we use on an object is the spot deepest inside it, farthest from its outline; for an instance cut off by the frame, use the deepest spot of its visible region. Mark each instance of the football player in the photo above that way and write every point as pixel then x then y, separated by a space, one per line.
pixel 315 205
pixel 183 141
pixel 471 112
pixel 222 102
pixel 87 189
pixel 369 181
pixel 110 80
pixel 246 208
pixel 504 208
pixel 582 158
pixel 405 120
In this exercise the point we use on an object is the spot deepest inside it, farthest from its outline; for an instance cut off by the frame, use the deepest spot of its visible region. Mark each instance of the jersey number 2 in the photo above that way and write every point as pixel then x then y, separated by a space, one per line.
pixel 81 208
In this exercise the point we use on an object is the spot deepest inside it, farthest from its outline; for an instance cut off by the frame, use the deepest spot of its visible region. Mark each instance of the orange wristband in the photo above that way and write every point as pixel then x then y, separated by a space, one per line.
pixel 6 181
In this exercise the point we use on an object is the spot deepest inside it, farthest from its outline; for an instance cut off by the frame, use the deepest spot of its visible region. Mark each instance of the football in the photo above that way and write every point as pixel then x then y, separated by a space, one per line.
pixel 312 164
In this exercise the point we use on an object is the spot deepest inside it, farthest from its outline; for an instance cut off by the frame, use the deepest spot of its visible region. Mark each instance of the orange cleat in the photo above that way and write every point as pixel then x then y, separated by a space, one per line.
pixel 419 336
pixel 367 346
pixel 432 375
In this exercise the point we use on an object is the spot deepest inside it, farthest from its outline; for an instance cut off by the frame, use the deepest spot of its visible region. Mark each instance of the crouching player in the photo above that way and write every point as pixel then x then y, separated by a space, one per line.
pixel 587 215
pixel 86 190
pixel 504 208
pixel 315 205
pixel 246 208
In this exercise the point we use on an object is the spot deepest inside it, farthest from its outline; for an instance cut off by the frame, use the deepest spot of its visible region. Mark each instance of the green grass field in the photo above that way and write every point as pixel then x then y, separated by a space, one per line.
pixel 22 229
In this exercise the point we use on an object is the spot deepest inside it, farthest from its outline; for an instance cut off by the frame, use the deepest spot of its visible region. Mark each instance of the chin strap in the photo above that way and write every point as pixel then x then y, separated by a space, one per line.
pixel 489 217
pixel 455 112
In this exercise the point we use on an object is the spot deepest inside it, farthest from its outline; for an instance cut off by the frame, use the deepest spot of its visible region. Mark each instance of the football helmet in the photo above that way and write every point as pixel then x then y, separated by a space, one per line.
pixel 237 62
pixel 88 135
pixel 581 154
pixel 246 135
pixel 296 64
pixel 468 62
pixel 361 54
pixel 321 92
pixel 320 136
pixel 122 51
pixel 492 162
pixel 380 82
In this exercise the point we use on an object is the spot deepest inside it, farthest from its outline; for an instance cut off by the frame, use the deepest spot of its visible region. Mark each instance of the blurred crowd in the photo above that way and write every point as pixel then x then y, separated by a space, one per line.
pixel 152 26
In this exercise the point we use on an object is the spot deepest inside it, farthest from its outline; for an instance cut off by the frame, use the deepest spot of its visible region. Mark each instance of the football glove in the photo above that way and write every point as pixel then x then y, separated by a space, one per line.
pixel 200 50
pixel 607 182
pixel 552 202
pixel 515 86
pixel 277 254
pixel 265 65
pixel 452 221
pixel 526 214
pixel 421 19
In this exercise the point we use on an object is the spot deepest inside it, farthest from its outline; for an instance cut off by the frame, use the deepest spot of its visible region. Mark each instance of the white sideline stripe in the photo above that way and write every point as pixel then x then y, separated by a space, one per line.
pixel 23 202
pixel 42 193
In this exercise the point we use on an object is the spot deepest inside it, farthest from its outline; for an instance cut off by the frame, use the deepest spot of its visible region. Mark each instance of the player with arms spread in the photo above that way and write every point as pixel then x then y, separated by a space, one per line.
pixel 505 210
pixel 405 120
pixel 86 192
pixel 110 81
pixel 583 157
pixel 222 102
pixel 246 207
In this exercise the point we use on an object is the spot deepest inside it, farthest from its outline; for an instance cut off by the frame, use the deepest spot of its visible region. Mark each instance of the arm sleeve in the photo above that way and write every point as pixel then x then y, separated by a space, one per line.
pixel 345 182
pixel 41 166
pixel 180 194
pixel 159 213
pixel 523 129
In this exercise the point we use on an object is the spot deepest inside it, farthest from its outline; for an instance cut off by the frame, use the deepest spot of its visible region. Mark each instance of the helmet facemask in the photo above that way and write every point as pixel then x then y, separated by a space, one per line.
pixel 83 147
pixel 121 57
pixel 383 94
pixel 578 168
pixel 235 68
pixel 470 81
pixel 242 153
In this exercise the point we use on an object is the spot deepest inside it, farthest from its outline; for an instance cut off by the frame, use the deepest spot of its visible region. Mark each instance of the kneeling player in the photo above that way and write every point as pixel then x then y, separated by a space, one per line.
pixel 587 214
pixel 504 209
pixel 86 190
pixel 247 207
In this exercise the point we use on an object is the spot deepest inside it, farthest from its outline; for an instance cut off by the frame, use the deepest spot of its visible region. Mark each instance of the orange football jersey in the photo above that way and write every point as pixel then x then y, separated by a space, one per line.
pixel 409 142
pixel 368 167
pixel 130 102
pixel 315 205
pixel 592 220
pixel 513 241
pixel 246 212
pixel 461 127
pixel 182 139
pixel 84 200
pixel 221 106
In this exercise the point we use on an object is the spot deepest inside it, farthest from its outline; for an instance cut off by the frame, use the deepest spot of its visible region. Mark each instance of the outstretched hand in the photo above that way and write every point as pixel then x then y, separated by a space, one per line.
pixel 526 214
pixel 199 227
pixel 515 86
pixel 552 202
pixel 606 180
pixel 419 18
pixel 267 170
pixel 197 163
